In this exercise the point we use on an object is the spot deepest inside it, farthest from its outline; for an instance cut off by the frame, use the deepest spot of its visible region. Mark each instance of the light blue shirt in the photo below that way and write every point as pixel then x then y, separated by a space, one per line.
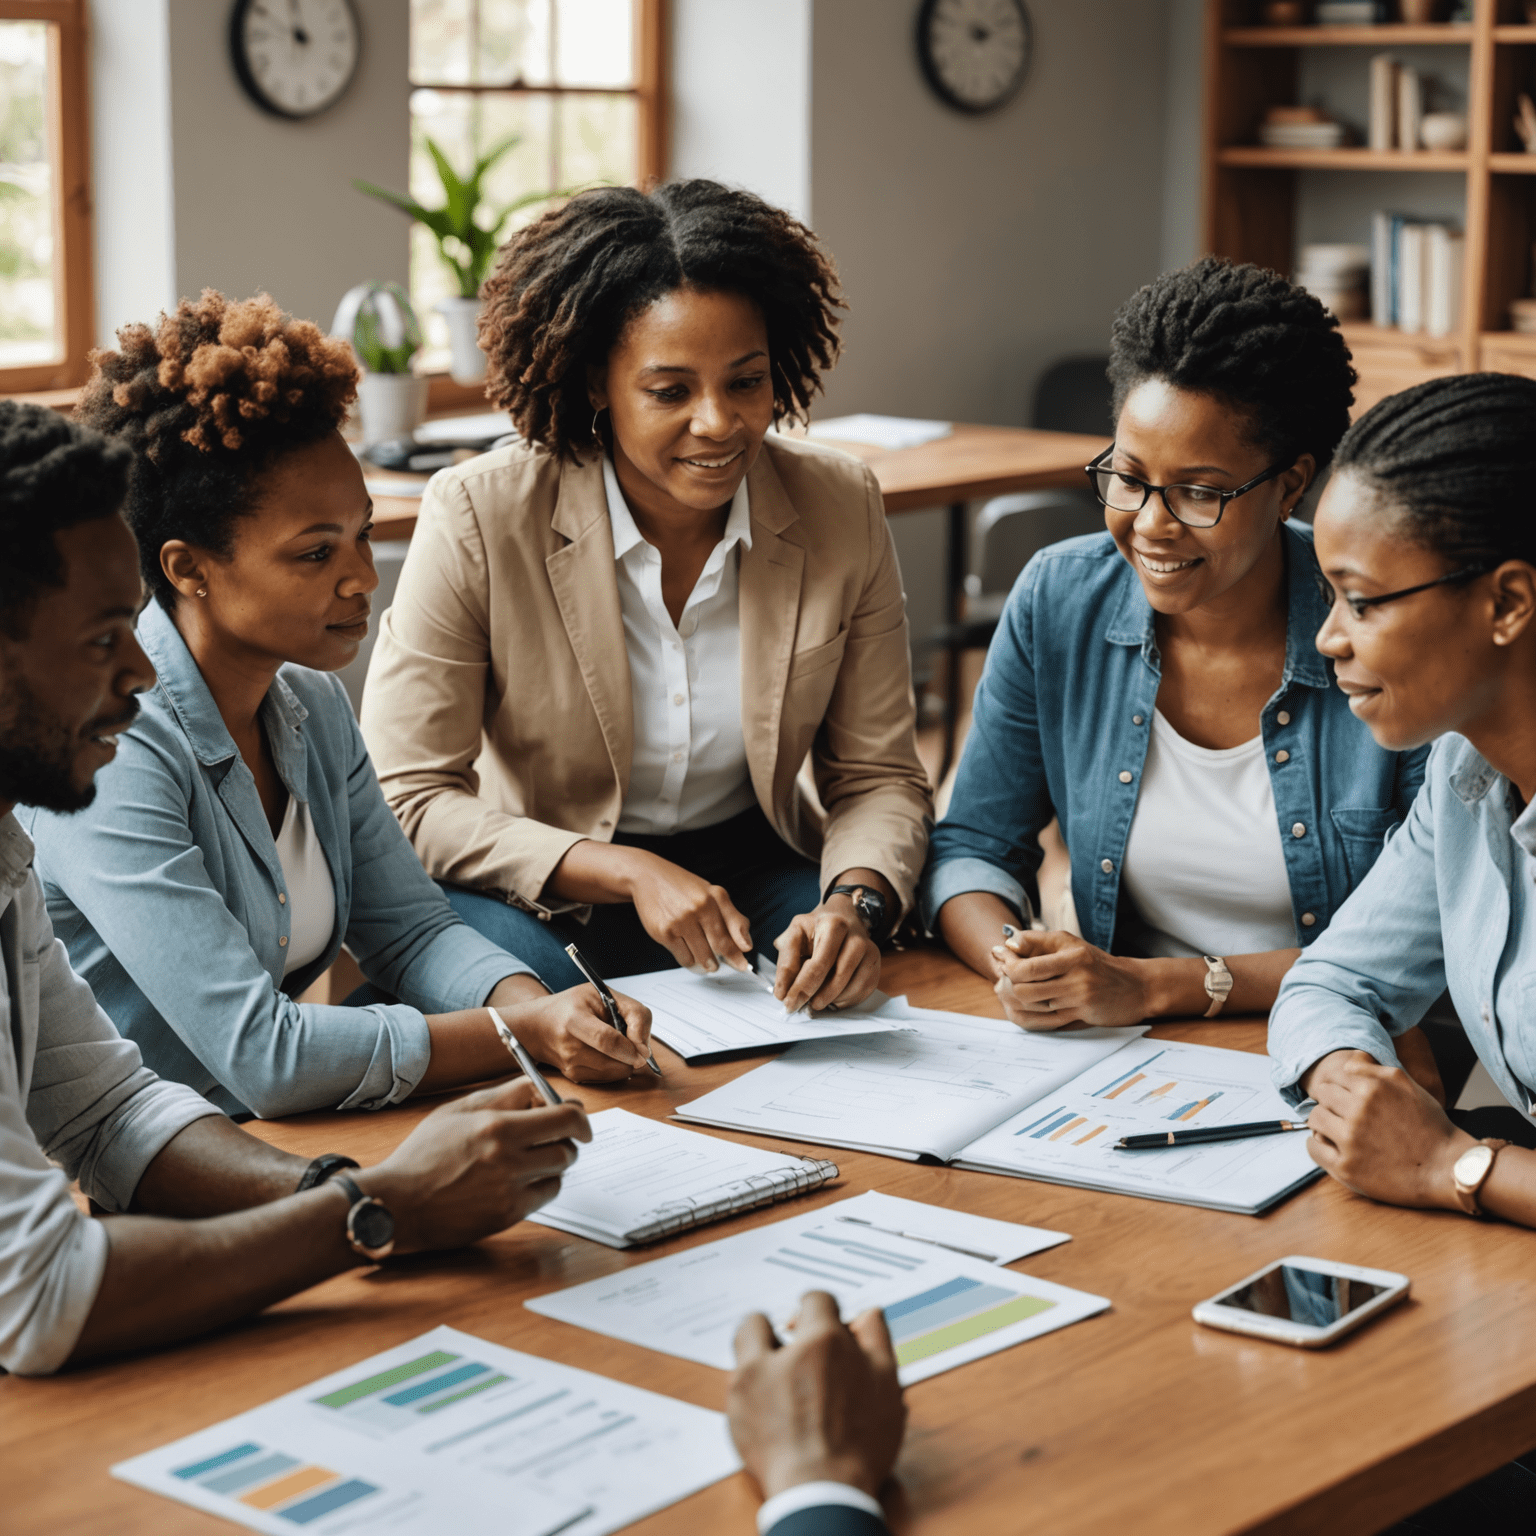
pixel 169 895
pixel 1448 904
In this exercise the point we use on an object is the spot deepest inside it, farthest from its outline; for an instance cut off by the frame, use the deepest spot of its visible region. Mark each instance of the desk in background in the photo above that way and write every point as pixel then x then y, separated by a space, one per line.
pixel 1138 1421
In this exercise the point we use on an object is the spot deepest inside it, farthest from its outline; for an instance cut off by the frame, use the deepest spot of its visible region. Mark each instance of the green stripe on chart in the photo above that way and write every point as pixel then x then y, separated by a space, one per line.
pixel 968 1328
pixel 350 1394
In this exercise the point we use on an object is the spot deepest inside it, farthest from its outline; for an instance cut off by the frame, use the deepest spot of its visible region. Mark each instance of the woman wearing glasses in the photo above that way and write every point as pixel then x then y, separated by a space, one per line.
pixel 1157 688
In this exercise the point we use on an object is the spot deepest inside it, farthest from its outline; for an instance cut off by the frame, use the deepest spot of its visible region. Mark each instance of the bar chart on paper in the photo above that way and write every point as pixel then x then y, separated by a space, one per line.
pixel 943 1309
pixel 429 1436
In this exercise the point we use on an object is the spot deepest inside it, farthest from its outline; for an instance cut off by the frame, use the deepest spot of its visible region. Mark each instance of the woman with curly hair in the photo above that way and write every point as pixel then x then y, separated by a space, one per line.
pixel 1156 688
pixel 240 838
pixel 616 643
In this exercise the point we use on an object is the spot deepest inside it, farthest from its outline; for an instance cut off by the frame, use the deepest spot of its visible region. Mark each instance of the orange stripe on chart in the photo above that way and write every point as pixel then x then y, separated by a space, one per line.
pixel 1194 1109
pixel 1157 1093
pixel 297 1482
pixel 1089 1137
pixel 1130 1082
pixel 1071 1125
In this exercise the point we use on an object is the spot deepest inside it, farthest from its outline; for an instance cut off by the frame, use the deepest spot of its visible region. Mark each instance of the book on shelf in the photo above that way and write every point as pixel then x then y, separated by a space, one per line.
pixel 1416 274
pixel 1410 107
pixel 1383 119
pixel 1348 13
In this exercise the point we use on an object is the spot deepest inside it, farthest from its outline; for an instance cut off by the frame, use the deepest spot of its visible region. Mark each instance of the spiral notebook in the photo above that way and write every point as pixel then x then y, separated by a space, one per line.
pixel 640 1180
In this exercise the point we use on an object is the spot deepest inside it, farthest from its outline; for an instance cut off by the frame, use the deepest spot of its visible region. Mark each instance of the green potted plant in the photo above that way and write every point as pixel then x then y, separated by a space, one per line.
pixel 468 235
pixel 379 322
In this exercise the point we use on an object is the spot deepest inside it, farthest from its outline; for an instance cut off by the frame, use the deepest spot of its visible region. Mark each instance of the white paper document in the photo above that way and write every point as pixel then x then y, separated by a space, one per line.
pixel 446 1433
pixel 642 1179
pixel 943 1309
pixel 736 1011
pixel 977 1237
pixel 1157 1085
pixel 880 431
pixel 928 1089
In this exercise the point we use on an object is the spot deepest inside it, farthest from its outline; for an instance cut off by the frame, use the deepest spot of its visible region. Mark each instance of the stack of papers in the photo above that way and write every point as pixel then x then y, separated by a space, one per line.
pixel 446 1433
pixel 880 431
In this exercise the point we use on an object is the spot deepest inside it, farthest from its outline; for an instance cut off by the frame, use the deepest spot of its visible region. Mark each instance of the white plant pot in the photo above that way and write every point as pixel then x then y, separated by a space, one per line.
pixel 391 405
pixel 463 317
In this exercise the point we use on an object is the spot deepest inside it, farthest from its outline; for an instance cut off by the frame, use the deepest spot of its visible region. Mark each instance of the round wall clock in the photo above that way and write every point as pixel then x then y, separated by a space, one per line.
pixel 974 53
pixel 295 58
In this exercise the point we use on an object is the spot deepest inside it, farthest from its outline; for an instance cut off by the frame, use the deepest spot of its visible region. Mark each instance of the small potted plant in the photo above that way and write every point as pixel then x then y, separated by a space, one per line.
pixel 378 320
pixel 468 235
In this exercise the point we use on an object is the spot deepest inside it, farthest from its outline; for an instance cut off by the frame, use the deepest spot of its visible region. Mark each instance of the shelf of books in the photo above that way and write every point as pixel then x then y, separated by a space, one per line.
pixel 1390 166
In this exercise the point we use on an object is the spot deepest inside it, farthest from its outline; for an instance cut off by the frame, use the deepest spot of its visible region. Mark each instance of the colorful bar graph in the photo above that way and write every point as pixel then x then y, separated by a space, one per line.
pixel 1045 1130
pixel 261 1478
pixel 1071 1125
pixel 331 1499
pixel 213 1463
pixel 1105 1093
pixel 954 1313
pixel 977 1326
pixel 1050 1114
pixel 384 1380
pixel 1189 1111
pixel 1128 1084
pixel 289 1487
pixel 455 1397
pixel 418 1390
pixel 247 1474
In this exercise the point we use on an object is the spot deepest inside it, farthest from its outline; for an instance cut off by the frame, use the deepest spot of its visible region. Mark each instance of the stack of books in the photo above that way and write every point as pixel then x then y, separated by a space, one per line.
pixel 1415 274
pixel 1397 104
pixel 1348 13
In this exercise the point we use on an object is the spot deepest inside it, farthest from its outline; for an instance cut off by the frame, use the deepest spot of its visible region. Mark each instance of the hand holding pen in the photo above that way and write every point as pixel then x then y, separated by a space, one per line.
pixel 573 1031
pixel 615 1014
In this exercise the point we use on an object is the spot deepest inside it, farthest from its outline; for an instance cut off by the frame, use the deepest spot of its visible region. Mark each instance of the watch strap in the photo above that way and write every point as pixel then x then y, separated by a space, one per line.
pixel 871 906
pixel 1218 984
pixel 322 1168
pixel 1467 1194
pixel 356 1199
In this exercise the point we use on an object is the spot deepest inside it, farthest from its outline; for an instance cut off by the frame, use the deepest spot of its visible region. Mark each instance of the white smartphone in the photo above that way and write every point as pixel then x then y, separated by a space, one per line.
pixel 1302 1301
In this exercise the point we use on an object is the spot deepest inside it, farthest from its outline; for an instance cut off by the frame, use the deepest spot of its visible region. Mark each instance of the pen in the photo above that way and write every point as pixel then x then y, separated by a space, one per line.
pixel 1212 1133
pixel 914 1237
pixel 610 1003
pixel 525 1061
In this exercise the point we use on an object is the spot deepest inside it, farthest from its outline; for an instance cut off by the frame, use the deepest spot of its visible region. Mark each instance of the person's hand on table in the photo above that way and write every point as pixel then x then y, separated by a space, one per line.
pixel 475 1166
pixel 1380 1134
pixel 1045 980
pixel 570 1032
pixel 696 921
pixel 824 1407
pixel 828 958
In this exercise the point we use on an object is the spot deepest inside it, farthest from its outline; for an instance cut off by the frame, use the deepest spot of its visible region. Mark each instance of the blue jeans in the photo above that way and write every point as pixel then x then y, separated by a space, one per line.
pixel 769 882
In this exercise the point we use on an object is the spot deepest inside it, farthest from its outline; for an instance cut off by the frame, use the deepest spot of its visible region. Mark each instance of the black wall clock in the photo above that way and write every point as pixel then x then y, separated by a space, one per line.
pixel 295 58
pixel 974 53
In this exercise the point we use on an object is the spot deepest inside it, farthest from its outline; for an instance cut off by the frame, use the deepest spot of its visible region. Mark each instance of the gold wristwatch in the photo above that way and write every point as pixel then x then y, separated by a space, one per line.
pixel 1470 1172
pixel 1218 984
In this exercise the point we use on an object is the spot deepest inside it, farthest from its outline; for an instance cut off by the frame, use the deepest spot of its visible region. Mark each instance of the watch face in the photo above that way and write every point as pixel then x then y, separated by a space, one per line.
pixel 975 53
pixel 372 1226
pixel 295 57
pixel 1472 1165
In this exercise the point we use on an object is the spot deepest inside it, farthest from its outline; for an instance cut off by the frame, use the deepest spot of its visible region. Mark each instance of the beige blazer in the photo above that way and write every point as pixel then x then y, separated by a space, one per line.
pixel 498 707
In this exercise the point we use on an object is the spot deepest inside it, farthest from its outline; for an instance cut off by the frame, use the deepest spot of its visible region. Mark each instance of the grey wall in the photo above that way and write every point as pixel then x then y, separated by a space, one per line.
pixel 196 186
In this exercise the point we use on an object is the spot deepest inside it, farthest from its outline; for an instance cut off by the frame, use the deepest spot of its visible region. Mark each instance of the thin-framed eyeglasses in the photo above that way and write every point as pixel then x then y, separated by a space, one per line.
pixel 1196 506
pixel 1358 606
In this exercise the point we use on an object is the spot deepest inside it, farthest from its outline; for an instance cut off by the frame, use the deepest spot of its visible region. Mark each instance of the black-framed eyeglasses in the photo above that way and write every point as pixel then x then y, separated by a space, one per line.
pixel 1359 605
pixel 1196 506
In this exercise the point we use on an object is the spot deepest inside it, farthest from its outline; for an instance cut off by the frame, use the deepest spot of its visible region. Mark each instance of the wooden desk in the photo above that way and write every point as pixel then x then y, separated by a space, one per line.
pixel 1134 1423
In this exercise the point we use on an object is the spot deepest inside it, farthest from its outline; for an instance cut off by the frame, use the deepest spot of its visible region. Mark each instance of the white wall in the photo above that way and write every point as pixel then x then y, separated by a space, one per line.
pixel 196 186
pixel 741 77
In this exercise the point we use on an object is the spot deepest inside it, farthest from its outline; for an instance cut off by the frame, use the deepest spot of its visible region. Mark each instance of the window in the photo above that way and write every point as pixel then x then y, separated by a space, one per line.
pixel 45 275
pixel 577 81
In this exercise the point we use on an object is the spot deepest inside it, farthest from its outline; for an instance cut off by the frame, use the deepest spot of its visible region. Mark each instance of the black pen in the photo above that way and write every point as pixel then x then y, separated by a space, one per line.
pixel 610 1002
pixel 525 1061
pixel 1211 1133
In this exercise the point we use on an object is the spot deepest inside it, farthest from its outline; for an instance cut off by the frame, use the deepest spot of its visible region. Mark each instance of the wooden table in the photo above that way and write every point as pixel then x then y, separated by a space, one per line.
pixel 1133 1423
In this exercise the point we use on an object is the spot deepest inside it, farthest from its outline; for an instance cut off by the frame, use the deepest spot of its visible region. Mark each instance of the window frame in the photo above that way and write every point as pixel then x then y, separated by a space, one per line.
pixel 70 141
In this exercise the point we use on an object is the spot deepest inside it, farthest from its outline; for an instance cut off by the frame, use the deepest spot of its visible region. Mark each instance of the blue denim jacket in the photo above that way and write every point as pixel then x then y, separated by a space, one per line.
pixel 1062 719
pixel 1449 904
pixel 166 894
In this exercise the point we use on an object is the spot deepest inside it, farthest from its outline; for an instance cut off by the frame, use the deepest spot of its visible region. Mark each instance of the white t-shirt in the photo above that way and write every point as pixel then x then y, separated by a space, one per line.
pixel 1203 864
pixel 311 895
pixel 689 765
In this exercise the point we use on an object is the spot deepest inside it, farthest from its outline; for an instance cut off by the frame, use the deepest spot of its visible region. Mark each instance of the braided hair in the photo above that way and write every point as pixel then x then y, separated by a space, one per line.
pixel 565 287
pixel 53 476
pixel 206 402
pixel 1248 337
pixel 1456 460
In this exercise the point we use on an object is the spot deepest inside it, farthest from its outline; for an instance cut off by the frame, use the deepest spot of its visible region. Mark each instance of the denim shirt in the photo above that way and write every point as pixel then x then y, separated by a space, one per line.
pixel 1449 904
pixel 1061 724
pixel 170 898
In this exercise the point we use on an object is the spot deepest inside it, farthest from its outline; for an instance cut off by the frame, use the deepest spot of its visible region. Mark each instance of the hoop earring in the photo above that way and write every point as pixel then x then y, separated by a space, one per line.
pixel 595 414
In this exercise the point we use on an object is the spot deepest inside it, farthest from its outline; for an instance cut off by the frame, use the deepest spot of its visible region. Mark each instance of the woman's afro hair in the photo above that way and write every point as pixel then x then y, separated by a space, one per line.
pixel 1245 336
pixel 208 400
pixel 565 287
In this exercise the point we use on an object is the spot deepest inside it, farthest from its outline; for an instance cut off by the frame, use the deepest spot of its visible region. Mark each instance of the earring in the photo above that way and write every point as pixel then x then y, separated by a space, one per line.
pixel 202 591
pixel 595 414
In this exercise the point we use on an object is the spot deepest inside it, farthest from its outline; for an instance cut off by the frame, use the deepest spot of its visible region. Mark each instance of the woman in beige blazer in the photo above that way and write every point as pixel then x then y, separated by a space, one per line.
pixel 645 684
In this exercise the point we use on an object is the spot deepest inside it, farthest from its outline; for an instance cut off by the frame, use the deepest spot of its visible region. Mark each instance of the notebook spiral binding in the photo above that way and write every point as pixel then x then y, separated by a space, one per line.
pixel 742 1195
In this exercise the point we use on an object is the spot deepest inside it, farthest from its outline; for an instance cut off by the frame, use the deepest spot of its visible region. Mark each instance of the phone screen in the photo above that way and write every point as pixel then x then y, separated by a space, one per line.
pixel 1302 1296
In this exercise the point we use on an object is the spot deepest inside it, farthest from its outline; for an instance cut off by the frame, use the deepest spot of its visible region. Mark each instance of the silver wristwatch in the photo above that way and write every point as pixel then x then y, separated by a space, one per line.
pixel 1218 984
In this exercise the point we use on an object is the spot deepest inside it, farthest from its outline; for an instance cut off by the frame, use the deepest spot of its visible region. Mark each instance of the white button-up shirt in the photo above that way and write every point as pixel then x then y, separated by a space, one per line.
pixel 689 766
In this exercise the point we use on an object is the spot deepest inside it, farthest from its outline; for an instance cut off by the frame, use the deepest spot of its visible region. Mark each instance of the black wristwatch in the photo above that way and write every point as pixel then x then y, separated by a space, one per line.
pixel 868 903
pixel 370 1225
pixel 322 1168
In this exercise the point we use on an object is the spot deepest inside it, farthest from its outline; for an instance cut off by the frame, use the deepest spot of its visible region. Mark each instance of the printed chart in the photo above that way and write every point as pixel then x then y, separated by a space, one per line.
pixel 425 1438
pixel 943 1309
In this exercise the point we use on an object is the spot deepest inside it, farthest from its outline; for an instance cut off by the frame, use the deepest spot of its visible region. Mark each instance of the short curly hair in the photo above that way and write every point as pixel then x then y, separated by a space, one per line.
pixel 1247 337
pixel 54 474
pixel 207 401
pixel 565 287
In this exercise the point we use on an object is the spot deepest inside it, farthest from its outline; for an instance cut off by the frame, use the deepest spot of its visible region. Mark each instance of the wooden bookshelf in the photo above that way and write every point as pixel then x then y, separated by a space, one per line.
pixel 1250 191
